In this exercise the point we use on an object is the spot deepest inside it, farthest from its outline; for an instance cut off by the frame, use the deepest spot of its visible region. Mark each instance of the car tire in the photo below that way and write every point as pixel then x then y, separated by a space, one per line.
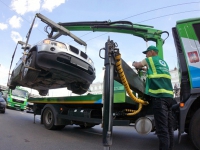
pixel 29 74
pixel 79 88
pixel 194 130
pixel 12 85
pixel 48 119
pixel 43 92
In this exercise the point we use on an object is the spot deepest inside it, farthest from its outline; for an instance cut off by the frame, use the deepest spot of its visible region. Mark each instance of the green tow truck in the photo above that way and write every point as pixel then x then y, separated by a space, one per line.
pixel 17 98
pixel 114 107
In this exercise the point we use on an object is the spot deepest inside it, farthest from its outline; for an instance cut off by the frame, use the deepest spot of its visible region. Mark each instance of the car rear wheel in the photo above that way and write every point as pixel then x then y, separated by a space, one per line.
pixel 28 74
pixel 43 92
pixel 12 85
pixel 79 88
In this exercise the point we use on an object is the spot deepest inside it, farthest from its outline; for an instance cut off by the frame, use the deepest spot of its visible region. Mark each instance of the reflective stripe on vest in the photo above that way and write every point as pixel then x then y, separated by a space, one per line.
pixel 160 91
pixel 155 75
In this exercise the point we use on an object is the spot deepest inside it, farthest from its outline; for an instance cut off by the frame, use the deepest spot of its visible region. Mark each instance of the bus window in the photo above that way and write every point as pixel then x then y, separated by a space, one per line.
pixel 197 30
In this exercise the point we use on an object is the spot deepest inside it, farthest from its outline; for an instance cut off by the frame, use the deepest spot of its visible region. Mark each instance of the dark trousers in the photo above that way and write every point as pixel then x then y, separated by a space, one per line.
pixel 162 108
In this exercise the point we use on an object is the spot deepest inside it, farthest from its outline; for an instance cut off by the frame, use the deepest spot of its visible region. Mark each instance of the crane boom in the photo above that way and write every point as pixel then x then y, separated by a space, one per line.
pixel 148 33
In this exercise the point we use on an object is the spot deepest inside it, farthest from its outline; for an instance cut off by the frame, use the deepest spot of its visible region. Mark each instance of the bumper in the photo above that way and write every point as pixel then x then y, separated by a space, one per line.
pixel 16 106
pixel 65 64
pixel 2 108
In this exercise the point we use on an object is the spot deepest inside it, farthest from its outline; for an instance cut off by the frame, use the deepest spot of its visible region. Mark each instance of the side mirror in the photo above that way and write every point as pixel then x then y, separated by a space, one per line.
pixel 28 46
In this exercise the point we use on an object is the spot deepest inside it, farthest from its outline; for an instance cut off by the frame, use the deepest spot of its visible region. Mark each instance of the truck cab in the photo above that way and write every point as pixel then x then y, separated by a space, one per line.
pixel 187 42
pixel 17 99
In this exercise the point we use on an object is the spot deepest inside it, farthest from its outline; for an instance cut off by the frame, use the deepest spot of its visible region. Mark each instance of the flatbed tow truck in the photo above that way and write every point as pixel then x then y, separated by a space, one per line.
pixel 114 107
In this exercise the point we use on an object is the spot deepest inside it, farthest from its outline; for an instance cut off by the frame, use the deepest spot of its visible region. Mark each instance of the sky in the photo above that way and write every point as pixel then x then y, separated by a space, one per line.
pixel 16 17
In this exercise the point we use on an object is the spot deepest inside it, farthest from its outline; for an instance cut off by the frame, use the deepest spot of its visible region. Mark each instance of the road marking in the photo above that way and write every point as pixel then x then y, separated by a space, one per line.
pixel 92 132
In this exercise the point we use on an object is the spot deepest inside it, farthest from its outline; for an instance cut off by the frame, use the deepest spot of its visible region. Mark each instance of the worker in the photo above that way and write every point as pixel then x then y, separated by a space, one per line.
pixel 159 89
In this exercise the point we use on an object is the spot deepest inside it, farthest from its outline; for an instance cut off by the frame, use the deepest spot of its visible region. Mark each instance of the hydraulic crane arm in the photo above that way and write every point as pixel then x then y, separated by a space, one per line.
pixel 148 33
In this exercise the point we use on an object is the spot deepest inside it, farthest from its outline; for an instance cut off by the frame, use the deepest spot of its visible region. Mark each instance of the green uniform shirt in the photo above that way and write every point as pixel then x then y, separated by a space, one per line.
pixel 158 81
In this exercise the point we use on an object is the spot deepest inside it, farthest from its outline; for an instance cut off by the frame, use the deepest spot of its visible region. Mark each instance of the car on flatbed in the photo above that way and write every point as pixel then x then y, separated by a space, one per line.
pixel 51 64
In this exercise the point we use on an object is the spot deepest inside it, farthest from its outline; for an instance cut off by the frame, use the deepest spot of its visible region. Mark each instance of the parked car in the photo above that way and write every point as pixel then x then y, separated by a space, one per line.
pixel 5 93
pixel 2 103
pixel 51 64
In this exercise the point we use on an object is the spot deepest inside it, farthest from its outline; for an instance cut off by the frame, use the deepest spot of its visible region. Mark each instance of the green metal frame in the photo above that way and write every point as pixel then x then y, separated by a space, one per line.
pixel 148 33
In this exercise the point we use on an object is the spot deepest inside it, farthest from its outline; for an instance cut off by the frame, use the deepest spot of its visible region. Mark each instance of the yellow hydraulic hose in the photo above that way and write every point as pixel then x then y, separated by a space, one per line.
pixel 126 85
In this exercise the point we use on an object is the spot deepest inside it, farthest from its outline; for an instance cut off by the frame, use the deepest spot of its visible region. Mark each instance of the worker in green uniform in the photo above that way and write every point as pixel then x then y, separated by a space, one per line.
pixel 160 90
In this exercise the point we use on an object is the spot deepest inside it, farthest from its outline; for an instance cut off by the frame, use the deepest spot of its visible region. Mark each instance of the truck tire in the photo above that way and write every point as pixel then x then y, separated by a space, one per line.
pixel 48 119
pixel 194 130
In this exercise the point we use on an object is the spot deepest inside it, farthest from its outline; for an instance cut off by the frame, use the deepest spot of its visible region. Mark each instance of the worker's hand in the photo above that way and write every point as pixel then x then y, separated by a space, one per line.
pixel 144 68
pixel 133 64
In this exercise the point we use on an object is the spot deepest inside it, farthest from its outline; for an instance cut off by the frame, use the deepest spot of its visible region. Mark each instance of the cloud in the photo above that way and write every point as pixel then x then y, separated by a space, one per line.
pixel 15 22
pixel 24 6
pixel 3 26
pixel 49 5
pixel 16 36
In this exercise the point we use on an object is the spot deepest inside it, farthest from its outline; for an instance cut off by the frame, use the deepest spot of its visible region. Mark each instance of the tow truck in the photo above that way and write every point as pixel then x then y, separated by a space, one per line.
pixel 110 109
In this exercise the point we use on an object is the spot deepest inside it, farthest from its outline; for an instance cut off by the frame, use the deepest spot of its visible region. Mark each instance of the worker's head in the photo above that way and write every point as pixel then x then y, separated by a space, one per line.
pixel 151 51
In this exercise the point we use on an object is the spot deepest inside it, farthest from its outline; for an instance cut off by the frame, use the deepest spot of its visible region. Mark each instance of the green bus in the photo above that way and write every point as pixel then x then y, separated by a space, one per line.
pixel 17 99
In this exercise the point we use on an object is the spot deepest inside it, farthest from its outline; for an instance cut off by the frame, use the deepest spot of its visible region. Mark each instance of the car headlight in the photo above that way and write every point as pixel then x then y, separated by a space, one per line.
pixel 90 61
pixel 55 43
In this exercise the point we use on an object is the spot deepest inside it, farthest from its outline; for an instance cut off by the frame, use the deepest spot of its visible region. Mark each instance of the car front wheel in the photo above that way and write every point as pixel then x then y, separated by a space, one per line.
pixel 79 88
pixel 29 74
pixel 43 92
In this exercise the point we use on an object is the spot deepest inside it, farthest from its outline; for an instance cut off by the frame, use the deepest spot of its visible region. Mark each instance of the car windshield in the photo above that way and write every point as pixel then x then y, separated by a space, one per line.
pixel 20 93
pixel 1 99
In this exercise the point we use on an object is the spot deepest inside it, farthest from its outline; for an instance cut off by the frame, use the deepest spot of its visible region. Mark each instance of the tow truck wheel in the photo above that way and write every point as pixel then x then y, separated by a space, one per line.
pixel 30 74
pixel 194 129
pixel 48 119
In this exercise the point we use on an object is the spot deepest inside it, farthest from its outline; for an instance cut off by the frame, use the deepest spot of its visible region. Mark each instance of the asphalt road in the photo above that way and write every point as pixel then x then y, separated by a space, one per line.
pixel 18 132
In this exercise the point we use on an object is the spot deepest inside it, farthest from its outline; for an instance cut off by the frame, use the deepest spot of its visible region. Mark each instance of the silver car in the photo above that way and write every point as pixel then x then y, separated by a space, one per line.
pixel 51 64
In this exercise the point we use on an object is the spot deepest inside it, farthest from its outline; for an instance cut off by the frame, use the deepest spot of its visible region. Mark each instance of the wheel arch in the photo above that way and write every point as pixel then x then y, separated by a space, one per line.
pixel 56 110
pixel 35 48
pixel 186 113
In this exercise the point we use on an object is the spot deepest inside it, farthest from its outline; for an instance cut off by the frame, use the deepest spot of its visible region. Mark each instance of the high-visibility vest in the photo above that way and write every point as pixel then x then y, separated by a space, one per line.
pixel 158 81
